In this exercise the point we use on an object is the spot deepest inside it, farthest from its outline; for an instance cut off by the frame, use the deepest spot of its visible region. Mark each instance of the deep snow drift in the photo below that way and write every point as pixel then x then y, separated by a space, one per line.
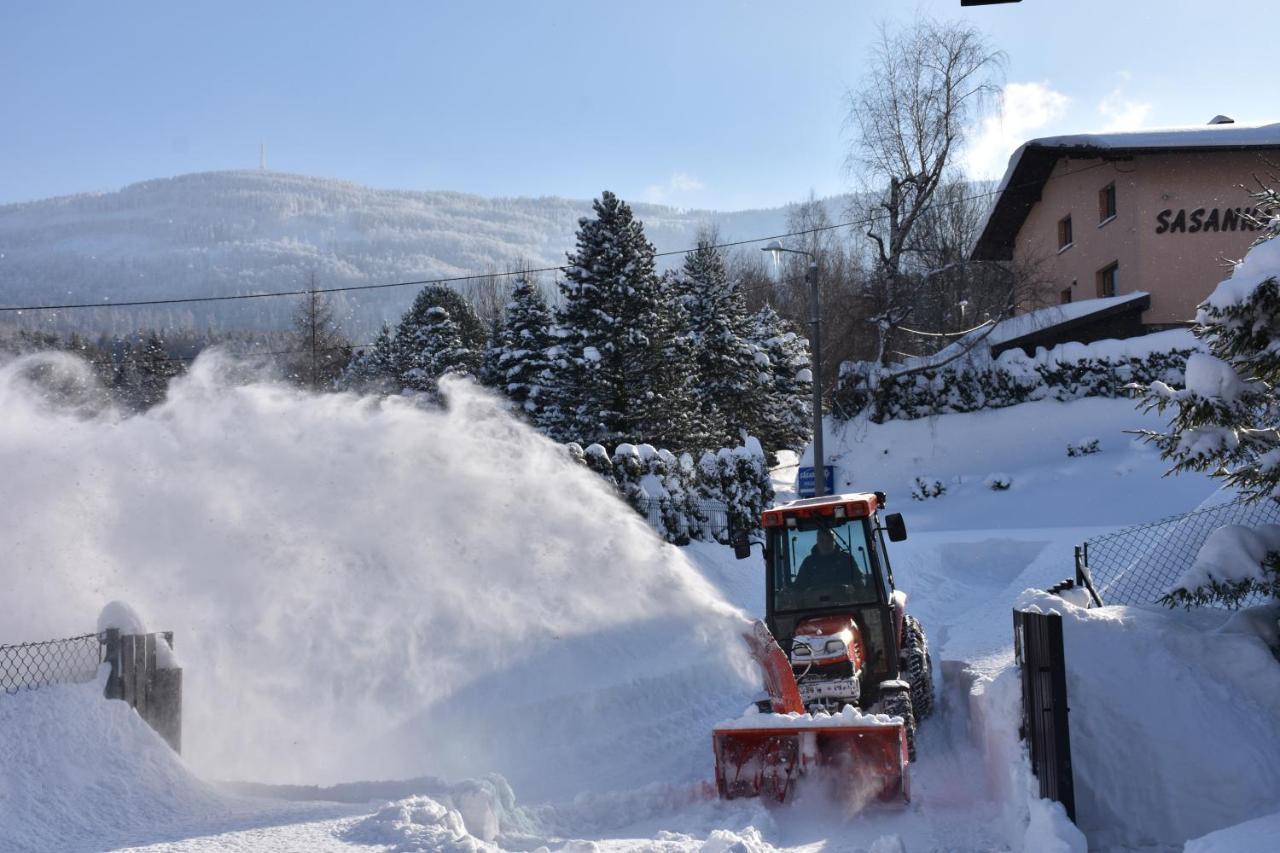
pixel 367 589
pixel 1172 719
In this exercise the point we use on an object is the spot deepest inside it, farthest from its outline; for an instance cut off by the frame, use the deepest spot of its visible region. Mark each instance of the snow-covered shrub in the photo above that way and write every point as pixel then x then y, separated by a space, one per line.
pixel 725 491
pixel 1066 372
pixel 927 487
pixel 998 482
pixel 1084 447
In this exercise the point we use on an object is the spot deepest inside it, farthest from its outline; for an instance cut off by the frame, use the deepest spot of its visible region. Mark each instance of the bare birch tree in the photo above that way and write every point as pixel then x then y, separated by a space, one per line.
pixel 925 87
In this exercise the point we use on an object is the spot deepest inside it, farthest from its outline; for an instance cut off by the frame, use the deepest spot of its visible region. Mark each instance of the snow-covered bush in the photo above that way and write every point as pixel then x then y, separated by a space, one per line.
pixel 1066 372
pixel 723 492
pixel 927 487
pixel 1084 447
pixel 1226 419
pixel 998 482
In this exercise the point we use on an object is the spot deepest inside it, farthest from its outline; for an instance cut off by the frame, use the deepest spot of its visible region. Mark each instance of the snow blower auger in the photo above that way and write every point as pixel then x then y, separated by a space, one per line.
pixel 843 702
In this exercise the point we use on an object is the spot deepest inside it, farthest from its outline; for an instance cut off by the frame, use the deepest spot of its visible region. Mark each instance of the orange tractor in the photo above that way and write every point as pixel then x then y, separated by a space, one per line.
pixel 846 670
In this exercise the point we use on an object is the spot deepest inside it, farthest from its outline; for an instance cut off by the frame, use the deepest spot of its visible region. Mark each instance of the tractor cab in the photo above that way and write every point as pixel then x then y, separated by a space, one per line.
pixel 829 595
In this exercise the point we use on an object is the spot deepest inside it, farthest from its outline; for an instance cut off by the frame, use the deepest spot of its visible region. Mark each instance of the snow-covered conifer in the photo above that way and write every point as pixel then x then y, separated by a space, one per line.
pixel 786 423
pixel 471 334
pixel 522 364
pixel 372 368
pixel 143 376
pixel 434 350
pixel 730 390
pixel 614 379
pixel 490 376
pixel 1226 420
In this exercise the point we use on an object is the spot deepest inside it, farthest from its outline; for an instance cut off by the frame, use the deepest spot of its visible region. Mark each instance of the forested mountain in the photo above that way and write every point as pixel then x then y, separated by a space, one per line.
pixel 222 233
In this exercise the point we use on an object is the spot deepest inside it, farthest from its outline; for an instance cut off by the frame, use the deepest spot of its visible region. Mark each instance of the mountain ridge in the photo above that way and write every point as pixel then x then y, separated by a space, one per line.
pixel 248 231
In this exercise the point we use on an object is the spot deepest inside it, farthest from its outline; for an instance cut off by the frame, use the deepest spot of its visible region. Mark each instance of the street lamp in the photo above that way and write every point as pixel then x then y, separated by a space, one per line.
pixel 776 249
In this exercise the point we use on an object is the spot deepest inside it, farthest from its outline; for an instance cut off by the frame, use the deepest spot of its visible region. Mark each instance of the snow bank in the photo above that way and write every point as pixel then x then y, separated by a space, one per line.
pixel 418 823
pixel 1254 836
pixel 1025 441
pixel 367 589
pixel 76 768
pixel 1172 720
pixel 1230 554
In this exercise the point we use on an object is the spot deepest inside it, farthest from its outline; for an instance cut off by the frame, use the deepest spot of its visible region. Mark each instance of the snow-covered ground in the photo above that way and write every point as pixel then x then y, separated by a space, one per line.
pixel 369 591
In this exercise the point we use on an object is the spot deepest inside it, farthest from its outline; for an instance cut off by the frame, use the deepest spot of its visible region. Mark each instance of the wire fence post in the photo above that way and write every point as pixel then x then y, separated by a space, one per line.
pixel 111 655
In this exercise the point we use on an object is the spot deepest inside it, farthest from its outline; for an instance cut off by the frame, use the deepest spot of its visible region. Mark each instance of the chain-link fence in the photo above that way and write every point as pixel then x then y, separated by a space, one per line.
pixel 27 666
pixel 1139 564
pixel 682 521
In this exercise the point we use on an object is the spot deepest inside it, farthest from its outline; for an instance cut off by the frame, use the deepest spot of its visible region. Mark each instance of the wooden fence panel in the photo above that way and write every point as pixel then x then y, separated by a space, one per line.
pixel 1038 649
pixel 136 678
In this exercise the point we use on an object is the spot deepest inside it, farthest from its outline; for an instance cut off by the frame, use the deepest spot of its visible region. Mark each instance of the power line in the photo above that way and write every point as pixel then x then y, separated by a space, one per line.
pixel 113 361
pixel 136 303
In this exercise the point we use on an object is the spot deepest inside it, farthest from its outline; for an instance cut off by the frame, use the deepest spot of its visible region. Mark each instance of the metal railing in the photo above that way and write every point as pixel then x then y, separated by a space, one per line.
pixel 26 666
pixel 1139 564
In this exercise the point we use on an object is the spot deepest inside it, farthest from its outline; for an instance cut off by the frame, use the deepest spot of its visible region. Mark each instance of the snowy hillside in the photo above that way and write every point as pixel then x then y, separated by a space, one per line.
pixel 243 232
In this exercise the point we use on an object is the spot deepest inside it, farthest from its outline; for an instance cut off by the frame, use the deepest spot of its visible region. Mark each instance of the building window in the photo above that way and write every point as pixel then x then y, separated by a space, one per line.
pixel 1107 280
pixel 1107 203
pixel 1064 233
pixel 1065 296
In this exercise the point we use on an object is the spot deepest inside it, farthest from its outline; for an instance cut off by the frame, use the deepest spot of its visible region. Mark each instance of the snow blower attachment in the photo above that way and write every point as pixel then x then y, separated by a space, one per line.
pixel 840 702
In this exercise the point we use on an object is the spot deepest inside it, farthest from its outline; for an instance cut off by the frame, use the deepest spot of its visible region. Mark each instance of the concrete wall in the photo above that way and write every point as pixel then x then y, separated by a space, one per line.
pixel 1156 249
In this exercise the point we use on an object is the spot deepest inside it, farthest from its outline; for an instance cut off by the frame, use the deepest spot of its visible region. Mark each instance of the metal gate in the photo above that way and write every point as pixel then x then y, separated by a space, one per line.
pixel 1037 643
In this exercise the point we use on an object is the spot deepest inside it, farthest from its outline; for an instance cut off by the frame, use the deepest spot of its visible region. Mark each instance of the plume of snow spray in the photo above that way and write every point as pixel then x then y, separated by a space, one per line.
pixel 363 588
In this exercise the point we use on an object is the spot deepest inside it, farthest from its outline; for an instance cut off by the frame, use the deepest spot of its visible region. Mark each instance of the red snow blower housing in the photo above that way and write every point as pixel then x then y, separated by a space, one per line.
pixel 845 697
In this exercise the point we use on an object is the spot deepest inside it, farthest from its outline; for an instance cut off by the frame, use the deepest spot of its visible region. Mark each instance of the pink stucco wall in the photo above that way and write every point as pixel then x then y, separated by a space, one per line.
pixel 1177 267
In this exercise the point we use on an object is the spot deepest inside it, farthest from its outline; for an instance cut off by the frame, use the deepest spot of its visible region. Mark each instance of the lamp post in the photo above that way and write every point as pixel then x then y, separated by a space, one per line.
pixel 776 249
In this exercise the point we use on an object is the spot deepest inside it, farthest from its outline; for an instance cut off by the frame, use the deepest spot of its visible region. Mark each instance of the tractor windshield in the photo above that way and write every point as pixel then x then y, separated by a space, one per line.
pixel 822 563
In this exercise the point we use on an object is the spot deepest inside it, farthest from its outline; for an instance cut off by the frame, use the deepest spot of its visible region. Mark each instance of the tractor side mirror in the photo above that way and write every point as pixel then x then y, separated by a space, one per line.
pixel 895 527
pixel 741 542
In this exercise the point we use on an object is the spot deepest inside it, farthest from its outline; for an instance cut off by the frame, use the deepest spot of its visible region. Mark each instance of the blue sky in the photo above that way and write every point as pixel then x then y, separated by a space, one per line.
pixel 715 104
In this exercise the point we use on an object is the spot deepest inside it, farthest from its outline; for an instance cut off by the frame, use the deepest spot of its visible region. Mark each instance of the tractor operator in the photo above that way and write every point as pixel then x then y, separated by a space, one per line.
pixel 827 565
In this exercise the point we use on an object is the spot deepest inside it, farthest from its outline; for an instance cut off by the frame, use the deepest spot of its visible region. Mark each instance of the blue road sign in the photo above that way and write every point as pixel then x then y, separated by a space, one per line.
pixel 804 481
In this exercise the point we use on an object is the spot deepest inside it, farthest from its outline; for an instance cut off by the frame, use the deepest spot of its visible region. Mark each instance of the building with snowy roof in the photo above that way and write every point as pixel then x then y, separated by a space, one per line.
pixel 1158 212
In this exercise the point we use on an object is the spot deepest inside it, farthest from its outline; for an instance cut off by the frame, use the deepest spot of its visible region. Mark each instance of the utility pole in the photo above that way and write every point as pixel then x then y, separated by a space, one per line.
pixel 815 359
pixel 313 317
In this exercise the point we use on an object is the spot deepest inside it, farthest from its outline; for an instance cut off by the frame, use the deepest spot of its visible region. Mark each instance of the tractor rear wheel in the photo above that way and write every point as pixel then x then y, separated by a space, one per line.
pixel 917 667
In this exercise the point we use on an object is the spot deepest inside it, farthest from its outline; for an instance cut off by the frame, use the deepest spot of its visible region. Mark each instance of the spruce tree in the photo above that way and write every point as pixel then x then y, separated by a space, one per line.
pixel 435 350
pixel 732 389
pixel 143 375
pixel 372 368
pixel 1226 421
pixel 614 380
pixel 786 422
pixel 490 373
pixel 471 334
pixel 523 365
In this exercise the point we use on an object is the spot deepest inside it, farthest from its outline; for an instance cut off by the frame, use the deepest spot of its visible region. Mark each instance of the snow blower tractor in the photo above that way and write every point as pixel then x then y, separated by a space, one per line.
pixel 846 670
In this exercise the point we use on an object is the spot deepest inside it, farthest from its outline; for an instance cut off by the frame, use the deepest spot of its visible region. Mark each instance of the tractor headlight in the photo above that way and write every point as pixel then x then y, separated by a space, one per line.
pixel 800 649
pixel 835 647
